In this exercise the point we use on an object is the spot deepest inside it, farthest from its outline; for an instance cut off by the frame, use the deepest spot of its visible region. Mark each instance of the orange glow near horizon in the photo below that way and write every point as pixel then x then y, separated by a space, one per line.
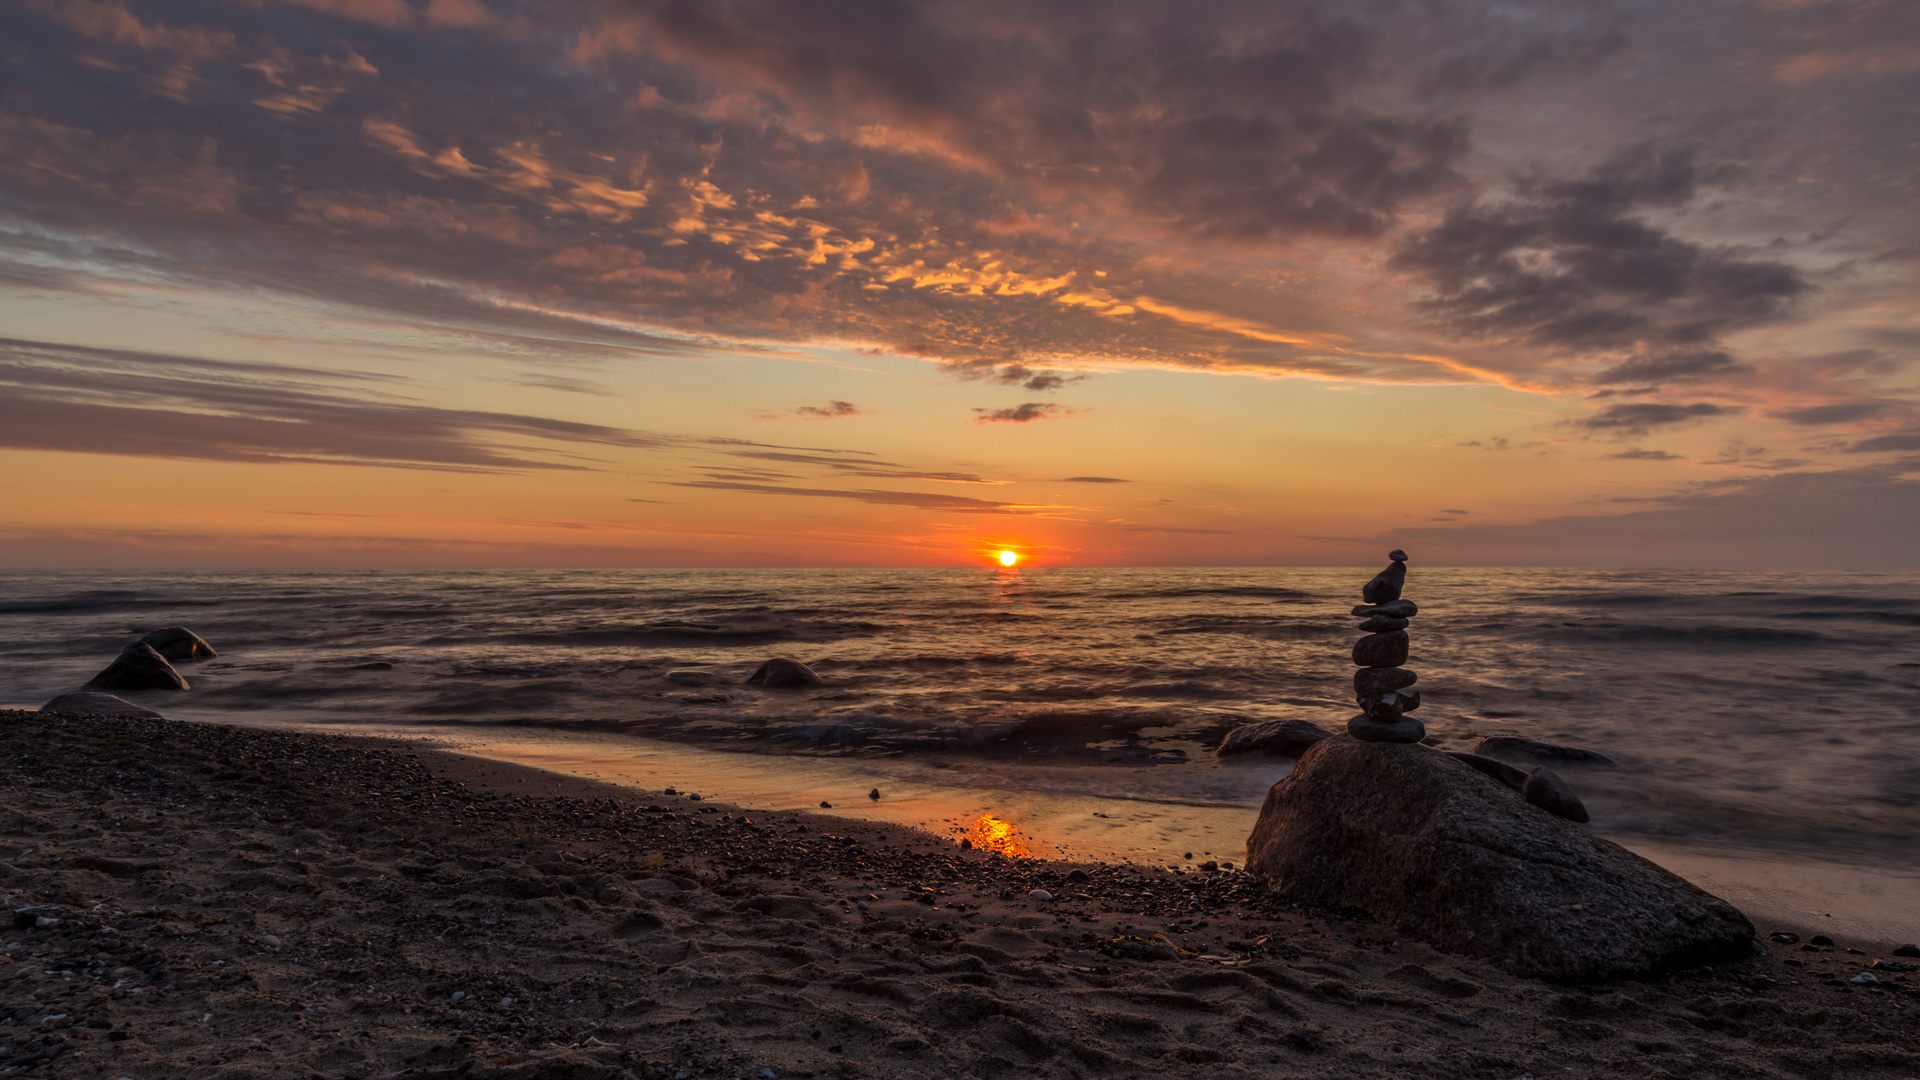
pixel 1008 558
pixel 994 834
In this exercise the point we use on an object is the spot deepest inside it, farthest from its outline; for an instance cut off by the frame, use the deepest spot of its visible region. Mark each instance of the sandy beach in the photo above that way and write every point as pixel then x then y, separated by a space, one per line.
pixel 198 901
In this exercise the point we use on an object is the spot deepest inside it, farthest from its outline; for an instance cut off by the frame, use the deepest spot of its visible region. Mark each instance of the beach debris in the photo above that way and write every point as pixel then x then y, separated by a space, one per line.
pixel 138 667
pixel 91 704
pixel 179 643
pixel 874 794
pixel 824 805
pixel 1518 748
pixel 781 673
pixel 1382 698
pixel 1278 738
pixel 1407 835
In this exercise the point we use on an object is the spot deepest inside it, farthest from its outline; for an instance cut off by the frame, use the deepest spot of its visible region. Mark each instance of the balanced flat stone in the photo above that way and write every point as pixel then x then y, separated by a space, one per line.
pixel 1390 705
pixel 1381 650
pixel 137 667
pixel 1382 622
pixel 1398 609
pixel 1273 738
pixel 1424 843
pixel 1517 748
pixel 179 643
pixel 1386 584
pixel 1404 730
pixel 1370 681
pixel 1546 790
pixel 783 674
pixel 84 703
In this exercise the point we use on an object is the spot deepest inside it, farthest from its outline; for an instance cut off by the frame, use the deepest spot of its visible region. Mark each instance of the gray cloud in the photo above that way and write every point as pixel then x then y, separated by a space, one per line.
pixel 1839 413
pixel 1094 480
pixel 950 503
pixel 1021 414
pixel 832 410
pixel 1637 454
pixel 1904 442
pixel 1641 417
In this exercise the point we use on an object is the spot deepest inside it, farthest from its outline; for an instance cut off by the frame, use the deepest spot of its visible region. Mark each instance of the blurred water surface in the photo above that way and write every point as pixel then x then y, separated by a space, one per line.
pixel 1752 711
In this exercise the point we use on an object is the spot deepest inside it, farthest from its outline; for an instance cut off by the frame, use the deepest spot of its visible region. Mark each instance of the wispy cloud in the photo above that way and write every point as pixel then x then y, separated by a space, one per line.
pixel 949 503
pixel 1022 414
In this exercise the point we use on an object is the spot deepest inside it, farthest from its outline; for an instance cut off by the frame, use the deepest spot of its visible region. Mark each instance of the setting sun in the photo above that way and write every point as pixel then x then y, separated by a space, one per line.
pixel 1008 558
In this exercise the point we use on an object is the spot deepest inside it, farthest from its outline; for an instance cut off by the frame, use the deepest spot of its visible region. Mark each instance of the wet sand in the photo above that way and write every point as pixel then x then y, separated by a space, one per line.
pixel 200 901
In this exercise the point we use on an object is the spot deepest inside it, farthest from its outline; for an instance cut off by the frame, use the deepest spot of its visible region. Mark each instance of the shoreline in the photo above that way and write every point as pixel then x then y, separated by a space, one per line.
pixel 286 903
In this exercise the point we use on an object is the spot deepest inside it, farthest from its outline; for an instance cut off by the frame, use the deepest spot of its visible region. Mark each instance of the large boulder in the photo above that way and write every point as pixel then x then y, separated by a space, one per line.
pixel 1430 845
pixel 84 703
pixel 1278 738
pixel 137 667
pixel 783 674
pixel 179 643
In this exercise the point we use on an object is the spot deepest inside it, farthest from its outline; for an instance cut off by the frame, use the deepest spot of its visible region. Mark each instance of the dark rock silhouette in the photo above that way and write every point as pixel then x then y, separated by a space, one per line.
pixel 1386 584
pixel 1370 681
pixel 1381 650
pixel 138 667
pixel 1499 770
pixel 783 674
pixel 1516 748
pixel 84 703
pixel 1546 790
pixel 1426 844
pixel 1277 738
pixel 179 643
pixel 1403 729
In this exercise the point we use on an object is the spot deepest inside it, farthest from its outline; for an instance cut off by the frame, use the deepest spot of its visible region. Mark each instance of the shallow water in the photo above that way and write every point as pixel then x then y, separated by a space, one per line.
pixel 1763 717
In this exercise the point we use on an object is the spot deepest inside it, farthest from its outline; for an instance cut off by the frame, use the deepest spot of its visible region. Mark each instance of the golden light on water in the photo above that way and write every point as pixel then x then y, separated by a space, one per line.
pixel 1008 558
pixel 994 834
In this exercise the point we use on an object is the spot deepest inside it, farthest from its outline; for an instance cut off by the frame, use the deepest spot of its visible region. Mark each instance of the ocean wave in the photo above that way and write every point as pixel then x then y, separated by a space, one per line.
pixel 1694 635
pixel 96 605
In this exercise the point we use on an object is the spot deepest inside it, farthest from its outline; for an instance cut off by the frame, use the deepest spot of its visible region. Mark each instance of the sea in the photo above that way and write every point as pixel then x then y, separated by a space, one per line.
pixel 1765 723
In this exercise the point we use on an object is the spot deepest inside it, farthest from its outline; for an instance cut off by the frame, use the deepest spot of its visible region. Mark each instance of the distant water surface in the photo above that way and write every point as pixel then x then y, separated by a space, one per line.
pixel 1751 711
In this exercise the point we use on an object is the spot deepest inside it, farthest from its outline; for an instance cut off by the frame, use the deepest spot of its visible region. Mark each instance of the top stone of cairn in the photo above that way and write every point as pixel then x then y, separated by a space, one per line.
pixel 1386 585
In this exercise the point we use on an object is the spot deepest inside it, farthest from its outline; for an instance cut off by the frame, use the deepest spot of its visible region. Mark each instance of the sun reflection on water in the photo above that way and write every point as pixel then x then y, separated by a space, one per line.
pixel 994 834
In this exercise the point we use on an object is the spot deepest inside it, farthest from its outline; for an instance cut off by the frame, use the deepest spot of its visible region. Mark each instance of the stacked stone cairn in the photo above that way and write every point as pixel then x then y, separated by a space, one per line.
pixel 1381 683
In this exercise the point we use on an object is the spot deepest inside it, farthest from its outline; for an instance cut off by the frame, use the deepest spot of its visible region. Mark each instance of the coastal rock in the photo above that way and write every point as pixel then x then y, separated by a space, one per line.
pixel 88 704
pixel 179 643
pixel 1280 738
pixel 1370 681
pixel 1404 730
pixel 1516 748
pixel 1424 843
pixel 1381 650
pixel 1386 584
pixel 783 674
pixel 1398 609
pixel 1382 622
pixel 137 667
pixel 1546 790
pixel 1499 770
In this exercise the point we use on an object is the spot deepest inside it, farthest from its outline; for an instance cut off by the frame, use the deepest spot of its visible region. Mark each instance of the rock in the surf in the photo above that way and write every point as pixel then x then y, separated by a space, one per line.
pixel 84 703
pixel 1517 748
pixel 1444 853
pixel 1386 584
pixel 783 674
pixel 1370 681
pixel 1403 730
pixel 1546 790
pixel 1499 770
pixel 1381 650
pixel 1277 738
pixel 137 667
pixel 179 643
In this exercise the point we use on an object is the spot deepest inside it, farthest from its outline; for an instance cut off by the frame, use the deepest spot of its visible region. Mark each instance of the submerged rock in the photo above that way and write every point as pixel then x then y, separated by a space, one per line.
pixel 783 674
pixel 1499 770
pixel 1516 748
pixel 138 667
pixel 1280 738
pixel 1546 790
pixel 90 704
pixel 179 643
pixel 1439 850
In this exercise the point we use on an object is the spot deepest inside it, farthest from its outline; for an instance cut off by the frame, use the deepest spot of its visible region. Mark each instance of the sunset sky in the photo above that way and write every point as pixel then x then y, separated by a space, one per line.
pixel 876 282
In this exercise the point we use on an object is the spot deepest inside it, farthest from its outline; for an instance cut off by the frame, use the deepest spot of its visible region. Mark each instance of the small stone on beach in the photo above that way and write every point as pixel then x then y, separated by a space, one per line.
pixel 1041 895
